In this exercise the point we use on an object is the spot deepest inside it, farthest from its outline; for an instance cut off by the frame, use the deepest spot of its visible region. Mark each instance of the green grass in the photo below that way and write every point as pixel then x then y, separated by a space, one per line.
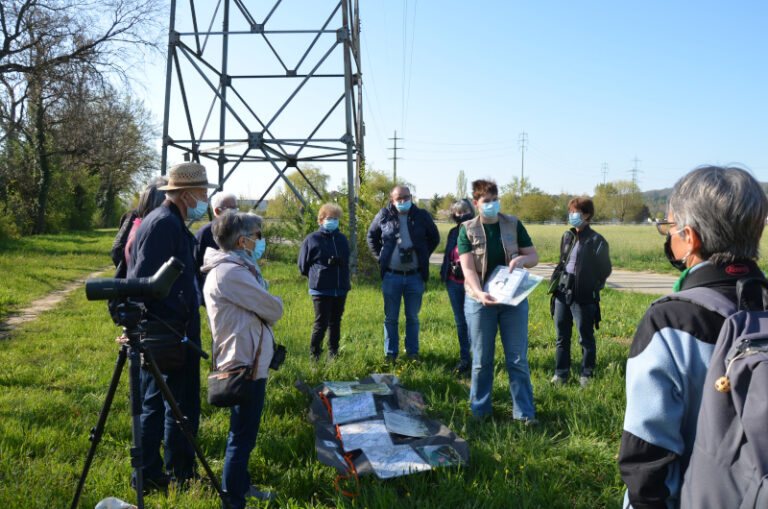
pixel 57 368
pixel 31 267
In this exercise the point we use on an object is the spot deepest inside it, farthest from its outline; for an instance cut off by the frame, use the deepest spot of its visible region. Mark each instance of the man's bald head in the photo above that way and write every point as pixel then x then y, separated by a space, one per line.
pixel 401 195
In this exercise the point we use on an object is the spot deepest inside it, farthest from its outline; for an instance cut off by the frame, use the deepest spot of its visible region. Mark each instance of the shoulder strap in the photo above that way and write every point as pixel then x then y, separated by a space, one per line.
pixel 707 298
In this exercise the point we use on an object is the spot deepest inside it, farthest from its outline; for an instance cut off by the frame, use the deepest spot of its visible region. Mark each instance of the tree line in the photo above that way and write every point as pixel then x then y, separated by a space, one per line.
pixel 73 142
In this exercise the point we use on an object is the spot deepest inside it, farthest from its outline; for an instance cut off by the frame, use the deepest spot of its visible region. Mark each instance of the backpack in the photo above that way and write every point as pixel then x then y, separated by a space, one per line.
pixel 728 467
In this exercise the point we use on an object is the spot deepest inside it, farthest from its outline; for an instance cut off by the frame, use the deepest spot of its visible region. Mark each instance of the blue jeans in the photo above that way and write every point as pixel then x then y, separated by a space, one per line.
pixel 456 295
pixel 584 315
pixel 512 324
pixel 410 289
pixel 243 427
pixel 159 425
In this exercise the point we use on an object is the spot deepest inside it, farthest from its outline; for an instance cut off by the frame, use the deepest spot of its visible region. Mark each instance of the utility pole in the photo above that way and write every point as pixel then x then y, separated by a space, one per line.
pixel 635 170
pixel 395 158
pixel 522 140
pixel 604 171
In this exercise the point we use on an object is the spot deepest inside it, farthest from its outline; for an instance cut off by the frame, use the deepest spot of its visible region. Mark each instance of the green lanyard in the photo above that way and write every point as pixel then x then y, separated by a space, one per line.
pixel 679 281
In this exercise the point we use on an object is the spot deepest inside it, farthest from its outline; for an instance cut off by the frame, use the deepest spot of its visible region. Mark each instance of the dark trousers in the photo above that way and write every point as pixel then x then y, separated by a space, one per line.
pixel 244 423
pixel 584 316
pixel 158 425
pixel 328 311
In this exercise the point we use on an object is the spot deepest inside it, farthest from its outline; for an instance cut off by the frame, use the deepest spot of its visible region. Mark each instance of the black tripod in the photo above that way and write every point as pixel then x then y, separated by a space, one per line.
pixel 129 314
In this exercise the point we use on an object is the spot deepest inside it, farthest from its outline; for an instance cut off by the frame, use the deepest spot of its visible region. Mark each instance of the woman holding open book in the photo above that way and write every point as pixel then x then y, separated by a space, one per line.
pixel 489 240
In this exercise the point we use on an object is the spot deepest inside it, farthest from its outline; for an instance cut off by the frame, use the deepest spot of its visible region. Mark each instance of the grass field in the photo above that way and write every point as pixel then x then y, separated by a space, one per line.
pixel 57 369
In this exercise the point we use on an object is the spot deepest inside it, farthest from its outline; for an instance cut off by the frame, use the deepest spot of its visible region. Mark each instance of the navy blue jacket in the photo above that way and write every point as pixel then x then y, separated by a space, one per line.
pixel 382 237
pixel 316 250
pixel 163 234
pixel 204 241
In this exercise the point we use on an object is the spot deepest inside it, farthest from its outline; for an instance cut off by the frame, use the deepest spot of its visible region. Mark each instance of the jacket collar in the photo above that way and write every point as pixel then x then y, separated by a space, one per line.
pixel 721 275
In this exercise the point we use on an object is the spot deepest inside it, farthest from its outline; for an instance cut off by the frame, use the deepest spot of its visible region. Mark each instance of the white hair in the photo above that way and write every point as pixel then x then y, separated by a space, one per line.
pixel 219 198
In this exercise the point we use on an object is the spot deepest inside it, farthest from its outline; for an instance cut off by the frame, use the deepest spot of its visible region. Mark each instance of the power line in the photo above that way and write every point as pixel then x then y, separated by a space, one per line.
pixel 395 158
pixel 604 171
pixel 410 63
pixel 522 140
pixel 402 81
pixel 635 170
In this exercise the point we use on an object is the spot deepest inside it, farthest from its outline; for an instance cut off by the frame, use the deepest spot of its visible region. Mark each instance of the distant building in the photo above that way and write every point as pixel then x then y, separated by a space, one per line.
pixel 250 203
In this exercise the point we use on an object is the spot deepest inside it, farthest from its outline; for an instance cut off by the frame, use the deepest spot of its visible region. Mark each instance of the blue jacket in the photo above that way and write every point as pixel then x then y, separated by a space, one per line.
pixel 204 241
pixel 163 234
pixel 665 375
pixel 316 250
pixel 382 237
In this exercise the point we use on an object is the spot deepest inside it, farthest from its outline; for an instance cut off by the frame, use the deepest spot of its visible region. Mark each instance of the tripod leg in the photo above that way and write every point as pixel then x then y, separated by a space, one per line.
pixel 137 451
pixel 181 420
pixel 98 430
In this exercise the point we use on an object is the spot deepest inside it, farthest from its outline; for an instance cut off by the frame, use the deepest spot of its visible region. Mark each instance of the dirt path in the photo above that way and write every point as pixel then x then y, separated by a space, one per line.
pixel 34 309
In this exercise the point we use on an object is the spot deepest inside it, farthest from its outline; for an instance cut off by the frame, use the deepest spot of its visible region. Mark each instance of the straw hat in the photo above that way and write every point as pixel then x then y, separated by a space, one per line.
pixel 186 175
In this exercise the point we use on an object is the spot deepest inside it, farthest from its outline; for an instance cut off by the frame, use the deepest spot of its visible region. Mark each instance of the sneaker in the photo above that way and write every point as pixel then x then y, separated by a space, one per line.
pixel 332 355
pixel 390 359
pixel 584 381
pixel 314 360
pixel 256 493
pixel 528 421
pixel 414 359
pixel 462 368
pixel 558 380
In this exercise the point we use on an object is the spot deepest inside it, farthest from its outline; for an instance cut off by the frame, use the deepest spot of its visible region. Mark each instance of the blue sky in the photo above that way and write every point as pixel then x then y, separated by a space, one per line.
pixel 675 84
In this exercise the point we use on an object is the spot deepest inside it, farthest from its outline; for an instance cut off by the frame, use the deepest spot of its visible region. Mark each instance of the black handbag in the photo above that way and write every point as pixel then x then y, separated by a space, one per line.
pixel 229 388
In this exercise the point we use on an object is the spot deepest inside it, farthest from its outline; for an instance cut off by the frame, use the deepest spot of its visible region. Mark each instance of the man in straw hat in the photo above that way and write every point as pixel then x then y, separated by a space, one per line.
pixel 161 235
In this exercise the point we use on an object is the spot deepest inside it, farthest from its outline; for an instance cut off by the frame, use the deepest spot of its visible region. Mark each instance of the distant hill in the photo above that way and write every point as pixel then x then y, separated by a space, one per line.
pixel 656 199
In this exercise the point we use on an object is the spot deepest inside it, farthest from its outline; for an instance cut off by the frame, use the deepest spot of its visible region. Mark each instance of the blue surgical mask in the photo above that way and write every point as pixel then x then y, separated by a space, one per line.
pixel 198 211
pixel 575 219
pixel 490 209
pixel 258 250
pixel 331 224
pixel 403 207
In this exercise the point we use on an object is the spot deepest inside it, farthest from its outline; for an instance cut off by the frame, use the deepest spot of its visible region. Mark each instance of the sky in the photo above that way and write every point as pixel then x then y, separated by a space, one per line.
pixel 598 87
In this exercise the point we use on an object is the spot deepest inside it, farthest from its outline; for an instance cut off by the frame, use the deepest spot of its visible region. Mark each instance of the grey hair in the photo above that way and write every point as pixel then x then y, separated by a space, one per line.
pixel 460 208
pixel 151 197
pixel 219 198
pixel 726 207
pixel 173 194
pixel 230 226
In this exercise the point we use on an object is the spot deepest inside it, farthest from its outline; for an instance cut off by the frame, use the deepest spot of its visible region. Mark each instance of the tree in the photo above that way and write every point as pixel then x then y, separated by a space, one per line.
pixel 603 200
pixel 461 185
pixel 628 201
pixel 535 207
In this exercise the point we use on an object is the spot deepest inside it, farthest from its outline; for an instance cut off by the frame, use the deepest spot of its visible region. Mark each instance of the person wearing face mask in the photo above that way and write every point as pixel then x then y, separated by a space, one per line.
pixel 485 242
pixel 220 203
pixel 161 235
pixel 584 265
pixel 401 238
pixel 241 313
pixel 324 259
pixel 453 277
pixel 715 220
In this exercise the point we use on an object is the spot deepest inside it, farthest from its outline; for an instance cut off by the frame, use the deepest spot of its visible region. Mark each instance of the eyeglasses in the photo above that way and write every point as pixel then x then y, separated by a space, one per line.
pixel 665 227
pixel 254 236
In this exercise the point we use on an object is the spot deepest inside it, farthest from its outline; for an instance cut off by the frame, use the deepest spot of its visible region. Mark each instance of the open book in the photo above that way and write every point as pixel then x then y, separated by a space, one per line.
pixel 511 287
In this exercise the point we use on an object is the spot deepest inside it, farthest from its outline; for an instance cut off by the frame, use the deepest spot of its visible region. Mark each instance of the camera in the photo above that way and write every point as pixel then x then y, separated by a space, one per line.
pixel 406 255
pixel 278 358
pixel 456 271
pixel 333 260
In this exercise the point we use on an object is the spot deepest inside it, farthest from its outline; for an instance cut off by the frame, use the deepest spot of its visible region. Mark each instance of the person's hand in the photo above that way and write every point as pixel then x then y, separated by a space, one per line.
pixel 486 299
pixel 516 263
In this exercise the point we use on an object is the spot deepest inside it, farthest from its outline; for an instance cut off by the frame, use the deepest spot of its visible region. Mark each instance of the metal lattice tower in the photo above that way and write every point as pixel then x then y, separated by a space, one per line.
pixel 260 95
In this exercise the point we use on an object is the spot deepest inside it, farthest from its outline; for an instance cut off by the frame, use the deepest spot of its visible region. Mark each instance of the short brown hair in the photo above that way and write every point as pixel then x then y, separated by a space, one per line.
pixel 482 188
pixel 583 204
pixel 328 210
